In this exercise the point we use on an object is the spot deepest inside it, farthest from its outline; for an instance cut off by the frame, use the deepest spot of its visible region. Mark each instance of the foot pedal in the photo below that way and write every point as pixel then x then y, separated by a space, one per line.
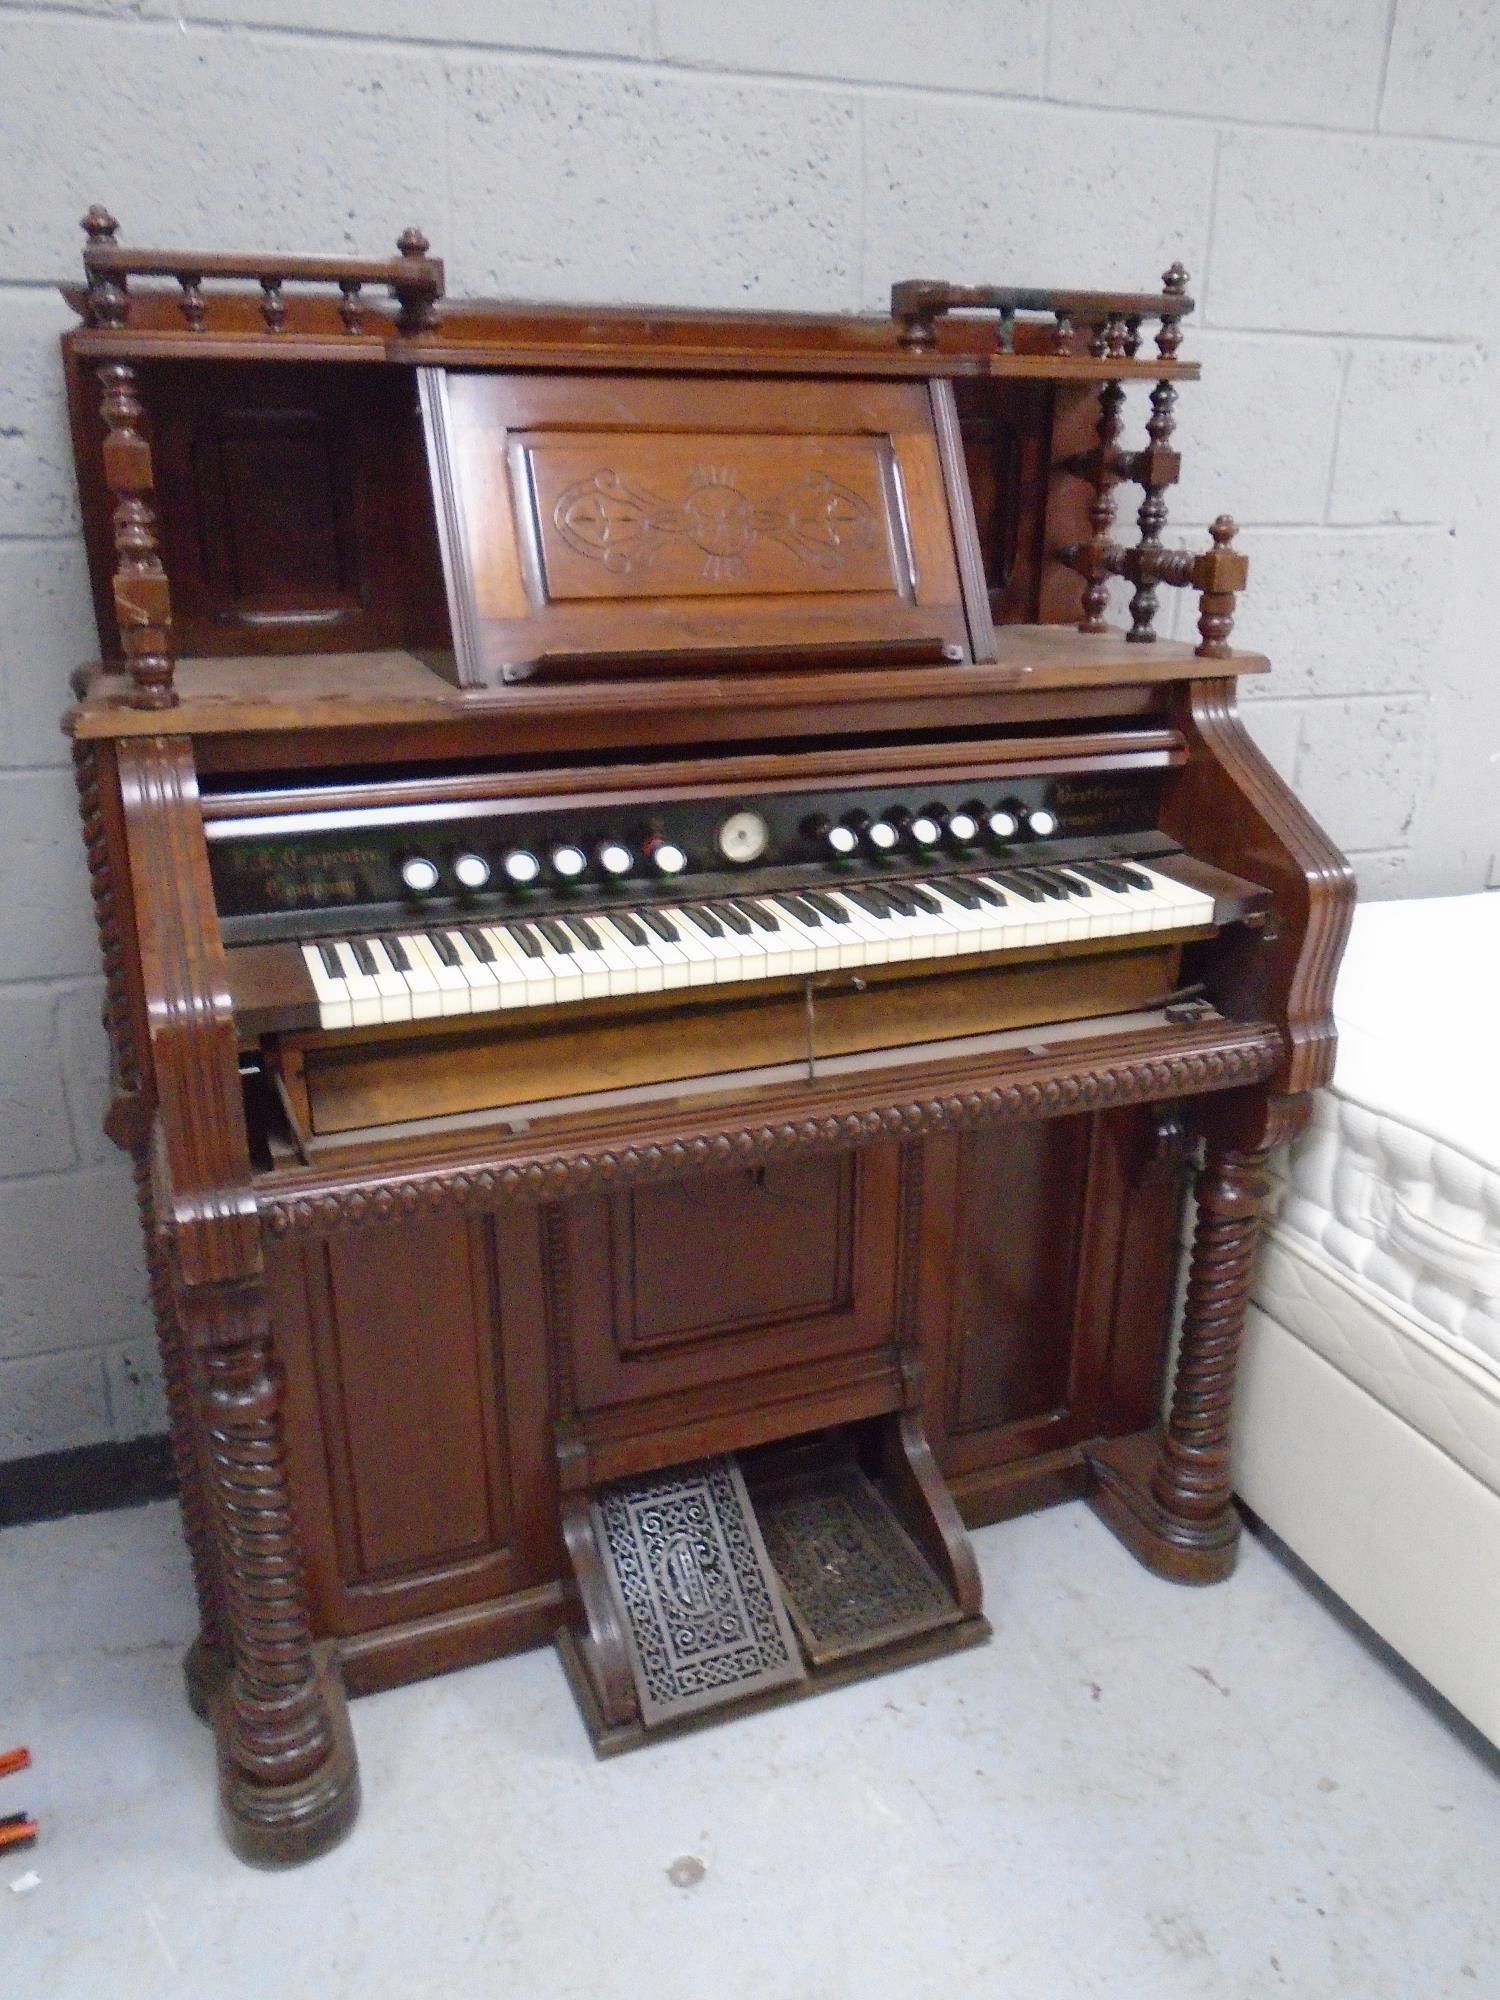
pixel 854 1579
pixel 732 1583
pixel 704 1620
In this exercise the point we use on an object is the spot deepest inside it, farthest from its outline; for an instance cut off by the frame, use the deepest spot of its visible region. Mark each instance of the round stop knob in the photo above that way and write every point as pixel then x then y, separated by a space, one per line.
pixel 521 866
pixel 419 875
pixel 615 858
pixel 568 861
pixel 963 826
pixel 1003 824
pixel 665 856
pixel 470 871
pixel 925 829
pixel 1041 822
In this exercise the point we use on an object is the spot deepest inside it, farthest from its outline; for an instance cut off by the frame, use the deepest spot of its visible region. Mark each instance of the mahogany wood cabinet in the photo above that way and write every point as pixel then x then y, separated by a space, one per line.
pixel 647 914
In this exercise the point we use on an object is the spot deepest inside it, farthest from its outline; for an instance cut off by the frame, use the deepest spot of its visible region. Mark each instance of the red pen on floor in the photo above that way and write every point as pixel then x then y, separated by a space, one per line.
pixel 14 1760
pixel 17 1830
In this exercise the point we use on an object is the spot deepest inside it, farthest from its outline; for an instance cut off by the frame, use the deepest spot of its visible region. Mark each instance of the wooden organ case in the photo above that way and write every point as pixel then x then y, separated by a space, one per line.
pixel 651 925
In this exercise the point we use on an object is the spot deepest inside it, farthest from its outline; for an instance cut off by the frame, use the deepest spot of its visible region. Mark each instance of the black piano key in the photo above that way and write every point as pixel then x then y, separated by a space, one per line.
pixel 1053 892
pixel 554 935
pixel 896 894
pixel 664 928
pixel 395 951
pixel 583 930
pixel 1059 879
pixel 1095 872
pixel 866 898
pixel 1136 877
pixel 333 965
pixel 626 925
pixel 705 920
pixel 826 907
pixel 479 944
pixel 924 899
pixel 733 919
pixel 1018 885
pixel 525 937
pixel 763 919
pixel 360 952
pixel 798 907
pixel 442 947
pixel 964 894
pixel 986 894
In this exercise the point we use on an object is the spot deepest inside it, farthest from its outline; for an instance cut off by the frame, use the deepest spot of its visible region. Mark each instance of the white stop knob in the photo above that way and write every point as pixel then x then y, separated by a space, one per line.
pixel 470 871
pixel 419 874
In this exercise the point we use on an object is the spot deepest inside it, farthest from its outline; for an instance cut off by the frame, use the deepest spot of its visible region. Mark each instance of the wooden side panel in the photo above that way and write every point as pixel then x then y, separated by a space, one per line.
pixel 418 1431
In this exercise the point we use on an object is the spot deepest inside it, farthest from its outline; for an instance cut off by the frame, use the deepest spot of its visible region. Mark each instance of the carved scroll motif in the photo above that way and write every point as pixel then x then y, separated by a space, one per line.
pixel 611 520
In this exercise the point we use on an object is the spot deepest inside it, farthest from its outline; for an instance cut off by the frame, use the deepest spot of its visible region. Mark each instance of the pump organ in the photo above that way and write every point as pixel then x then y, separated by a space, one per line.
pixel 648 916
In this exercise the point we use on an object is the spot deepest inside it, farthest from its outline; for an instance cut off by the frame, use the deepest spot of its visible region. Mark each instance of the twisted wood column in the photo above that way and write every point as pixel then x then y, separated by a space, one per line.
pixel 287 1771
pixel 1191 1480
pixel 1166 1493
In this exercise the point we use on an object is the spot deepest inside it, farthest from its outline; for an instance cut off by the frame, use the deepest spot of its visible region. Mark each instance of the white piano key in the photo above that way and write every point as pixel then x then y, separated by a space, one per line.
pixel 819 937
pixel 395 995
pixel 454 993
pixel 539 988
pixel 364 994
pixel 645 967
pixel 335 1009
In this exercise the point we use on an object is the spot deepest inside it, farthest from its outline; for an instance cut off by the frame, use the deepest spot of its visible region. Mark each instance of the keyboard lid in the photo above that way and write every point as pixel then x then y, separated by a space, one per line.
pixel 597 525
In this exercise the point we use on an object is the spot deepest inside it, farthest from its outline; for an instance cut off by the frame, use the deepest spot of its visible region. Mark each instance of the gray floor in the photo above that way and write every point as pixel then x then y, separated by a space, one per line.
pixel 1134 1790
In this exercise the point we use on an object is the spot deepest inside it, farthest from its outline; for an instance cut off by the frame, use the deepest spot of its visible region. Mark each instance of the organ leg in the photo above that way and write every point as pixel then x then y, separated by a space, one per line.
pixel 288 1781
pixel 1168 1495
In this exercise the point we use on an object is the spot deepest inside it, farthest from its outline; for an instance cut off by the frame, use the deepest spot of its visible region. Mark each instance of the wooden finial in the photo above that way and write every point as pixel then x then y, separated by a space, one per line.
pixel 1174 281
pixel 419 286
pixel 1219 574
pixel 412 243
pixel 1169 334
pixel 106 303
pixel 98 224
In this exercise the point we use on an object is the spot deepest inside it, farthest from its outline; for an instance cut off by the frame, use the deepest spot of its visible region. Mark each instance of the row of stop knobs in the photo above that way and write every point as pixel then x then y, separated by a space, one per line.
pixel 933 827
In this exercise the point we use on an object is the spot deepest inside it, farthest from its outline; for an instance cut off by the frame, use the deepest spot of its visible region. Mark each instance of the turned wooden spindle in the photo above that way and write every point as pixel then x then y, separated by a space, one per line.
pixel 194 305
pixel 351 306
pixel 1105 473
pixel 272 305
pixel 142 600
pixel 1062 332
pixel 106 301
pixel 416 289
pixel 1174 282
pixel 1157 468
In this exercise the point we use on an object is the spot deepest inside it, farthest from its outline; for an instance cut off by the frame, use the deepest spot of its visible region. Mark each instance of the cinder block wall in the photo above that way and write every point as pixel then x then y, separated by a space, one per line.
pixel 1329 172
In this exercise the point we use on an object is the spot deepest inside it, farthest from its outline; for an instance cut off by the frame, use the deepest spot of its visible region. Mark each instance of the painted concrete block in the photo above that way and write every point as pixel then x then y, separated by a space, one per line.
pixel 46 617
pixel 1019 194
pixel 1416 433
pixel 71 1274
pixel 1346 613
pixel 36 1135
pixel 1277 729
pixel 38 489
pixel 133 1391
pixel 617 185
pixel 1256 434
pixel 1384 874
pixel 1326 233
pixel 46 916
pixel 52 1403
pixel 968 45
pixel 83 1059
pixel 1444 71
pixel 1363 766
pixel 1313 61
pixel 623 27
pixel 208 139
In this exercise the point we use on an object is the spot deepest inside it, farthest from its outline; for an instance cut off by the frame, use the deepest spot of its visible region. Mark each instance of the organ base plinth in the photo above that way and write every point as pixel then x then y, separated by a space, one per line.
pixel 1182 1551
pixel 276 1826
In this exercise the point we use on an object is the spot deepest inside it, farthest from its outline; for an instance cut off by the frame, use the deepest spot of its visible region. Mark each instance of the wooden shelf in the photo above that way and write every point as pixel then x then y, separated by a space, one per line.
pixel 364 690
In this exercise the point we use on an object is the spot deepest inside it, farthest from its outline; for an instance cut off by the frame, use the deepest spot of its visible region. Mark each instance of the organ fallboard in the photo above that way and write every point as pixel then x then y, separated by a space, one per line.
pixel 666 966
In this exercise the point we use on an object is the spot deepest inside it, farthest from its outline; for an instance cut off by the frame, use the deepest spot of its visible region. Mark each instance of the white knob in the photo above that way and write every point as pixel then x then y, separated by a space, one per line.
pixel 840 839
pixel 925 831
pixel 470 871
pixel 419 874
pixel 668 858
pixel 1041 822
pixel 521 866
pixel 880 833
pixel 1004 825
pixel 963 827
pixel 615 858
pixel 568 862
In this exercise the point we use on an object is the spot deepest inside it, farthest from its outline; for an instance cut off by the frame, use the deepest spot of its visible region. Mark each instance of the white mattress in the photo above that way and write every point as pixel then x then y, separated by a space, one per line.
pixel 1395 1188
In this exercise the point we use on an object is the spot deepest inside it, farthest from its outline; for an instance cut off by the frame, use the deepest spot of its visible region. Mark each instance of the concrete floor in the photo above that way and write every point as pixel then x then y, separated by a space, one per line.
pixel 1135 1791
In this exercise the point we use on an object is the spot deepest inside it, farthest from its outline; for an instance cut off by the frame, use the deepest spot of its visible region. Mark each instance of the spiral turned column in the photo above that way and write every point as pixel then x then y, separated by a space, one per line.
pixel 287 1771
pixel 1191 1481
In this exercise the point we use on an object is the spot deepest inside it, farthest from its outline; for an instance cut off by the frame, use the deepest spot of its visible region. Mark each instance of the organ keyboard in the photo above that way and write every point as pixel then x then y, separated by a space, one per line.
pixel 664 962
